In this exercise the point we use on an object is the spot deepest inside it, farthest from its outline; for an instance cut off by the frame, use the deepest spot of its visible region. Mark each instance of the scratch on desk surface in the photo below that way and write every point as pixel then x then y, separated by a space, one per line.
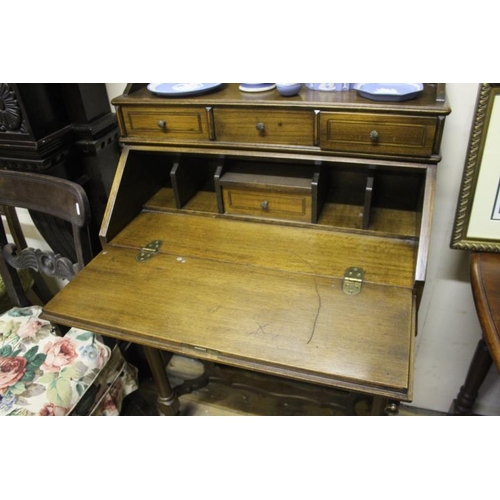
pixel 308 264
pixel 317 312
pixel 259 329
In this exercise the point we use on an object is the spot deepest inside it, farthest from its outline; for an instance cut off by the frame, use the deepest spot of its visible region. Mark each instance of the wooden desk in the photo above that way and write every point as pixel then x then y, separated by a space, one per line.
pixel 485 281
pixel 293 242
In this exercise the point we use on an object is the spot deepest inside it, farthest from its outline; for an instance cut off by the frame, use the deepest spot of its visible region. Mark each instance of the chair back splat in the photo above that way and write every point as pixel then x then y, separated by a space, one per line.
pixel 49 195
pixel 43 372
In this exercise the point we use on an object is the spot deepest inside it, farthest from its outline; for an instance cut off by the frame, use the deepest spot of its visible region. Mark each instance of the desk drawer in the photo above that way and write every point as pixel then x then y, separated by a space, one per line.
pixel 264 126
pixel 186 123
pixel 263 203
pixel 270 196
pixel 378 134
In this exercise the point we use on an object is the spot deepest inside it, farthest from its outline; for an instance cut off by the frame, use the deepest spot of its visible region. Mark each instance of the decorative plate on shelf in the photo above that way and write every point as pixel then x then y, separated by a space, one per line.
pixel 389 91
pixel 329 87
pixel 256 87
pixel 182 89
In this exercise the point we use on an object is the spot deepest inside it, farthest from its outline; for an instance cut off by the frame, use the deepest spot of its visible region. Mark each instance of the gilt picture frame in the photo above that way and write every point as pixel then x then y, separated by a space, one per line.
pixel 477 219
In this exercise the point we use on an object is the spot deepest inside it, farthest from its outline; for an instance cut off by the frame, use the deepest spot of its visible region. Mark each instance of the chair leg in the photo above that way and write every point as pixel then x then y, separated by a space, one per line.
pixel 168 403
pixel 478 369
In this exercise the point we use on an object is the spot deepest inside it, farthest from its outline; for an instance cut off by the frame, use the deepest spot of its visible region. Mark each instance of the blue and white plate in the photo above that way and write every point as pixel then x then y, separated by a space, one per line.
pixel 256 87
pixel 389 91
pixel 329 87
pixel 181 89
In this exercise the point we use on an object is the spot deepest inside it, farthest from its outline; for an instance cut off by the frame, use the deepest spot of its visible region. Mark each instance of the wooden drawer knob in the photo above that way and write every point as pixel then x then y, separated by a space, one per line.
pixel 260 127
pixel 162 124
pixel 374 136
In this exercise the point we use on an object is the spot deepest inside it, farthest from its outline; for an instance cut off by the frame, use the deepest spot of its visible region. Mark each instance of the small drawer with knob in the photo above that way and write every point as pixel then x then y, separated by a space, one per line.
pixel 264 126
pixel 283 197
pixel 380 134
pixel 165 123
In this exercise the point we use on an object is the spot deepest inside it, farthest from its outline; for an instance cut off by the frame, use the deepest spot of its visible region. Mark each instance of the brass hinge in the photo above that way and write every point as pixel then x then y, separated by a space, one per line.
pixel 353 280
pixel 149 250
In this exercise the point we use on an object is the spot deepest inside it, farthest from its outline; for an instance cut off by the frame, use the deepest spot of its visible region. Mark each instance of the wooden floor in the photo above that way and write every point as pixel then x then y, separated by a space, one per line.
pixel 234 392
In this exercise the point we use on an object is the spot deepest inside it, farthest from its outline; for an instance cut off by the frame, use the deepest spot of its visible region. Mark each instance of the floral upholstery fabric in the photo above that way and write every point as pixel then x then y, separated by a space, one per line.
pixel 44 374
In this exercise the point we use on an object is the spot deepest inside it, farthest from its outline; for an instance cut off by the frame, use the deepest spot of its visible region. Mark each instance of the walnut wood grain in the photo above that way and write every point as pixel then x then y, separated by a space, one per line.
pixel 278 127
pixel 297 325
pixel 267 121
pixel 189 123
pixel 259 293
pixel 264 203
pixel 377 134
pixel 424 223
pixel 292 249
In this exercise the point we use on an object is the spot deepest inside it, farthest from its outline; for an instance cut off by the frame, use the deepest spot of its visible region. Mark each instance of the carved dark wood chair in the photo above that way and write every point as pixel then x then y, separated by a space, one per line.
pixel 43 372
pixel 485 281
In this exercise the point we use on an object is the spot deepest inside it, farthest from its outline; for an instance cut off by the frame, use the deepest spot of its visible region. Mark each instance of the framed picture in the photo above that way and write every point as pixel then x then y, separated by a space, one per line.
pixel 477 219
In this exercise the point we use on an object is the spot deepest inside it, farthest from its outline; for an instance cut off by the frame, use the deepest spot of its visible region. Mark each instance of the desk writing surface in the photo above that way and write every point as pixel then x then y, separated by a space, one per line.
pixel 294 321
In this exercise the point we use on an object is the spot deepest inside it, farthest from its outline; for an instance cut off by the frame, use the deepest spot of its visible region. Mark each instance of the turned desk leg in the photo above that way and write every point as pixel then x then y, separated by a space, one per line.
pixel 478 369
pixel 168 404
pixel 378 406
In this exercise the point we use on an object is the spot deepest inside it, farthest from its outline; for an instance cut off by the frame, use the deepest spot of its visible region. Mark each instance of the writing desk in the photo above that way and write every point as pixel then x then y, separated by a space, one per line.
pixel 279 235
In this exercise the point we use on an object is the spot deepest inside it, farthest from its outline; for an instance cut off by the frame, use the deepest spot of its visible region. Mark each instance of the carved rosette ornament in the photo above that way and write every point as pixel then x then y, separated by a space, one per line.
pixel 10 113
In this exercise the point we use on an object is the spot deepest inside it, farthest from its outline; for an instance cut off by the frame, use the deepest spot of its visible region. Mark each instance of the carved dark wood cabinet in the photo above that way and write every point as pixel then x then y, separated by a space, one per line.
pixel 64 130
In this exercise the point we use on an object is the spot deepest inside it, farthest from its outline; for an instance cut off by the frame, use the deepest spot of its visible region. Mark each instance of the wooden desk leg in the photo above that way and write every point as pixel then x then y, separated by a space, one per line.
pixel 378 406
pixel 478 369
pixel 168 404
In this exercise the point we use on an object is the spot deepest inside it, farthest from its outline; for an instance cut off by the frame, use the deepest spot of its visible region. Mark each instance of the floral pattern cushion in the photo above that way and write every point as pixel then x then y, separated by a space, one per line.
pixel 105 395
pixel 44 374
